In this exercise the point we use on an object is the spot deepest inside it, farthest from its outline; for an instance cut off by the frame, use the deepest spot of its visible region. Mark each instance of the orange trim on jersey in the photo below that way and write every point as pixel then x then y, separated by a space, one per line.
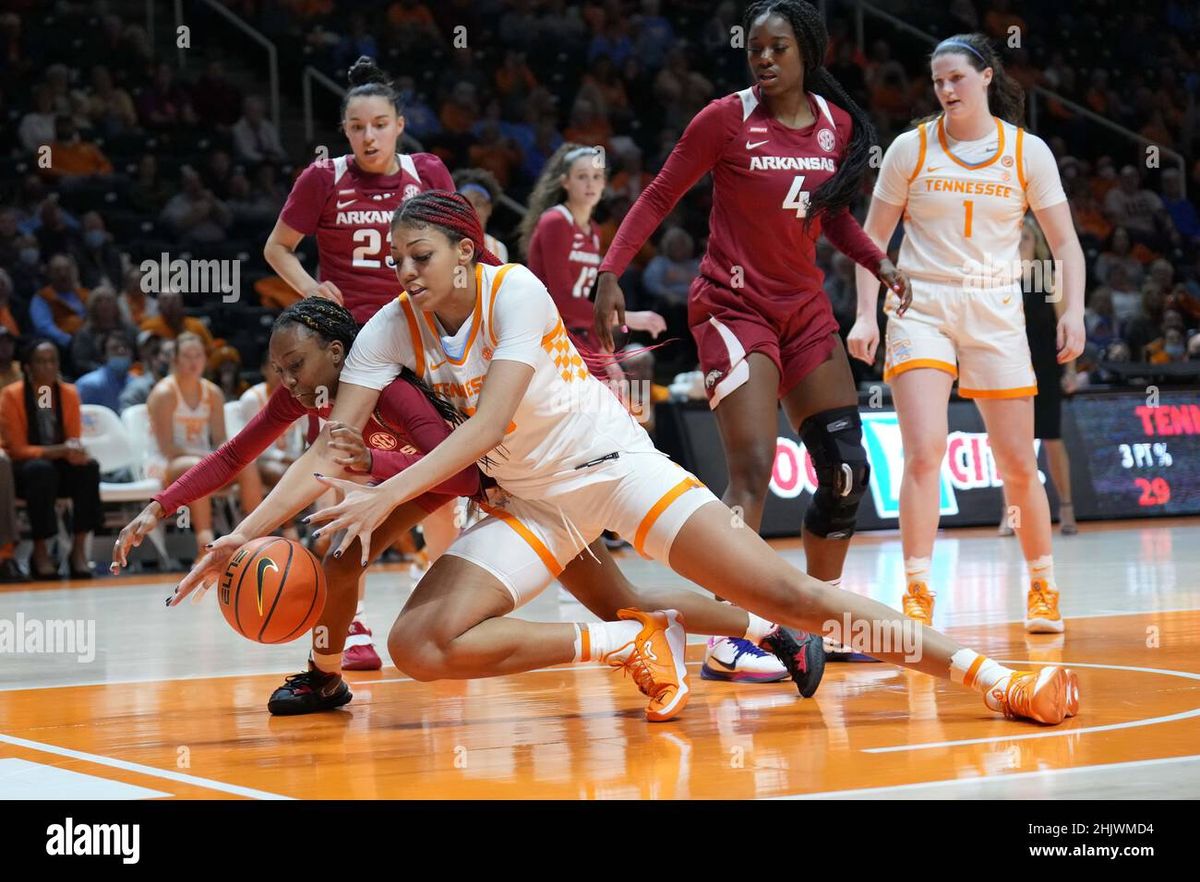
pixel 414 331
pixel 476 319
pixel 973 671
pixel 920 363
pixel 528 535
pixel 1021 158
pixel 558 328
pixel 971 165
pixel 922 134
pixel 1015 392
pixel 496 282
pixel 585 643
pixel 656 510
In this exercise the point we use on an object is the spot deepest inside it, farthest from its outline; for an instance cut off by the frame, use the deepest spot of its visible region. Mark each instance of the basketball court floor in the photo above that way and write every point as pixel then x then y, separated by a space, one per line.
pixel 170 703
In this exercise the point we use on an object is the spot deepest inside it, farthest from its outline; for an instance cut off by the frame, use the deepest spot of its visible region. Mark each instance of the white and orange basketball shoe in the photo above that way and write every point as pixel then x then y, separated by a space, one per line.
pixel 1047 696
pixel 1041 609
pixel 655 660
pixel 918 603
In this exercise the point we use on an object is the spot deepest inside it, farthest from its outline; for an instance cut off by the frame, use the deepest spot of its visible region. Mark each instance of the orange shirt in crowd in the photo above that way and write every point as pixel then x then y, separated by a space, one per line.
pixel 159 327
pixel 14 421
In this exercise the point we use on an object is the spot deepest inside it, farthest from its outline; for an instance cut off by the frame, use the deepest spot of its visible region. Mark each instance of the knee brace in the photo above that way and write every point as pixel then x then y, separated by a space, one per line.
pixel 833 438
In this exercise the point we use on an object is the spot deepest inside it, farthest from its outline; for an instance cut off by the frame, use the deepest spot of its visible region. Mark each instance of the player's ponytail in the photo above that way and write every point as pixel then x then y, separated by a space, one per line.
pixel 549 191
pixel 451 213
pixel 841 189
pixel 1006 97
pixel 368 79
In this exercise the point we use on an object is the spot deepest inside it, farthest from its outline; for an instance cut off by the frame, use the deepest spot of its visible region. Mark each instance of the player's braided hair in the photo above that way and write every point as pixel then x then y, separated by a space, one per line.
pixel 331 321
pixel 840 190
pixel 368 79
pixel 549 191
pixel 452 213
pixel 1006 97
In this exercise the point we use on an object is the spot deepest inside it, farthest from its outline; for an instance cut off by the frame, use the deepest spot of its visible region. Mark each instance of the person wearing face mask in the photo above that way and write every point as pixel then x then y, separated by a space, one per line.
pixel 98 258
pixel 28 273
pixel 104 317
pixel 155 356
pixel 105 384
pixel 59 309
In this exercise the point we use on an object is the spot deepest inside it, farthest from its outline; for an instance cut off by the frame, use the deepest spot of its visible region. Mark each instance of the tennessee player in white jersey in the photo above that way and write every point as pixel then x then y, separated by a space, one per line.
pixel 963 182
pixel 569 473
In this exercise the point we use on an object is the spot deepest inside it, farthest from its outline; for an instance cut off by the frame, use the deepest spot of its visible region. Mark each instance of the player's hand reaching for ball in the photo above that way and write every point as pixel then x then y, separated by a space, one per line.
pixel 362 509
pixel 609 310
pixel 133 533
pixel 897 283
pixel 328 290
pixel 352 453
pixel 209 568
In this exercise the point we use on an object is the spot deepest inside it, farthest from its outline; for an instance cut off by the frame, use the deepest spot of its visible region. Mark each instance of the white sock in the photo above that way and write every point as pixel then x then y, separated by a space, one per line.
pixel 595 641
pixel 976 671
pixel 330 663
pixel 916 569
pixel 1043 568
pixel 757 628
pixel 358 611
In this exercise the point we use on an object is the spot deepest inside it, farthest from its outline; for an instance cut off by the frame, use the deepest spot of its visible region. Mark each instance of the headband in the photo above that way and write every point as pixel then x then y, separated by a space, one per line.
pixel 962 45
pixel 579 153
pixel 471 187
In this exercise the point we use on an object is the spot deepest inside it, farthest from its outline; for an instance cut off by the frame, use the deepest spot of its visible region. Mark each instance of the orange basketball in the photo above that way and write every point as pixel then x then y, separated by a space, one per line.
pixel 273 590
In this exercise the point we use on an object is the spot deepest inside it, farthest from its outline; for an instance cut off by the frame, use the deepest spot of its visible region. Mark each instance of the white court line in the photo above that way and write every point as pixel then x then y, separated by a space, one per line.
pixel 1060 732
pixel 169 775
pixel 185 677
pixel 989 780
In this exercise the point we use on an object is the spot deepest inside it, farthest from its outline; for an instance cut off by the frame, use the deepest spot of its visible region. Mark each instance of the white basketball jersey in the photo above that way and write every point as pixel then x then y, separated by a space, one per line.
pixel 962 219
pixel 566 418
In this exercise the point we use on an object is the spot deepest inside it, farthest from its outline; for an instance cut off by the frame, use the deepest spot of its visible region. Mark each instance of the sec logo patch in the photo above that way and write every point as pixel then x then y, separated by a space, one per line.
pixel 381 441
pixel 411 190
pixel 1007 161
pixel 825 139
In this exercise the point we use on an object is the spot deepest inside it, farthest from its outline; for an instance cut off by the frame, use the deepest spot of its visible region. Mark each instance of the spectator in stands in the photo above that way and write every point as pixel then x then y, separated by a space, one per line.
pixel 149 192
pixel 195 214
pixel 681 91
pixel 655 34
pixel 10 310
pixel 154 357
pixel 54 231
pixel 104 384
pixel 217 173
pixel 1118 252
pixel 355 43
pixel 420 120
pixel 588 126
pixel 546 141
pixel 108 107
pixel 611 40
pixel 40 424
pixel 265 186
pixel 97 257
pixel 411 22
pixel 255 138
pixel 1101 323
pixel 165 105
pixel 171 321
pixel 225 371
pixel 514 83
pixel 561 25
pixel 28 274
pixel 482 190
pixel 1091 223
pixel 135 304
pixel 1126 296
pixel 603 86
pixel 37 126
pixel 1181 210
pixel 103 317
pixel 1137 209
pixel 15 61
pixel 670 274
pixel 496 153
pixel 249 206
pixel 1147 325
pixel 215 98
pixel 10 368
pixel 58 310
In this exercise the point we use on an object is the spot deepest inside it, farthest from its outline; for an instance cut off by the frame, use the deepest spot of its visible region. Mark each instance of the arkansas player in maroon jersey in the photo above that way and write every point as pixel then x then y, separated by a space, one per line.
pixel 562 242
pixel 347 202
pixel 787 157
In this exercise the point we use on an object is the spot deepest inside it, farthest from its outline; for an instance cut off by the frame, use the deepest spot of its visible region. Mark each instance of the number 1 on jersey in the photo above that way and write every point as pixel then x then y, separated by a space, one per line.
pixel 796 197
pixel 969 206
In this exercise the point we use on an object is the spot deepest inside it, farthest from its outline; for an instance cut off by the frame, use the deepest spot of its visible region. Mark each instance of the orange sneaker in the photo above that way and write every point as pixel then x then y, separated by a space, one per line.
pixel 1047 696
pixel 918 603
pixel 655 659
pixel 1041 609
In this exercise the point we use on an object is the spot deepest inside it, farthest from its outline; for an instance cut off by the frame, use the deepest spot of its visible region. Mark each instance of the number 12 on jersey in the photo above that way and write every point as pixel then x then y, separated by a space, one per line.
pixel 797 198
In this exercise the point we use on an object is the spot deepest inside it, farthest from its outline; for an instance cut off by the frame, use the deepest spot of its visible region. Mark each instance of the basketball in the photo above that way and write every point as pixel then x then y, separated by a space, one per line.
pixel 273 590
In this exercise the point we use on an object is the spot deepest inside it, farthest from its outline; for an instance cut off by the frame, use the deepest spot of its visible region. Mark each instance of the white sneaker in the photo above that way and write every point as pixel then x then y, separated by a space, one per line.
pixel 739 660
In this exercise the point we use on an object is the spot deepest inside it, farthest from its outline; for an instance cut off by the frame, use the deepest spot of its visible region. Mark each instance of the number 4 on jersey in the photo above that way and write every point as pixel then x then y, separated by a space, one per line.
pixel 797 198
